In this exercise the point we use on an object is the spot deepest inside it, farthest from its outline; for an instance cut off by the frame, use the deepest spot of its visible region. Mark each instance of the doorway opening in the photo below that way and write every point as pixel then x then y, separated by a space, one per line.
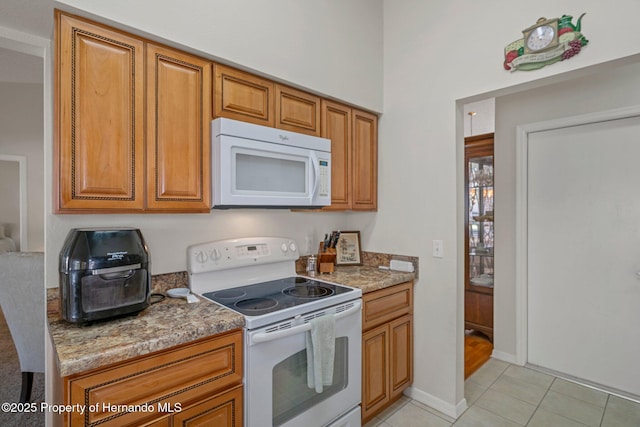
pixel 22 103
pixel 479 236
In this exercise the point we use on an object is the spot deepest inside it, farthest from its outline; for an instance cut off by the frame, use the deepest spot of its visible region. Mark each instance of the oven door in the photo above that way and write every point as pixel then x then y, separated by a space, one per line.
pixel 276 391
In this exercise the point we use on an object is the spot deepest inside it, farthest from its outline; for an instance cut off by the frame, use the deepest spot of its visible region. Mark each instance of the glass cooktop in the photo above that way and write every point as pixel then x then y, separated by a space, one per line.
pixel 275 295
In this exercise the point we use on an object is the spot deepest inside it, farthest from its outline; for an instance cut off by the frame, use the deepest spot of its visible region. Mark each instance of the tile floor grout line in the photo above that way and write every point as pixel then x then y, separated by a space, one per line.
pixel 540 403
pixel 605 409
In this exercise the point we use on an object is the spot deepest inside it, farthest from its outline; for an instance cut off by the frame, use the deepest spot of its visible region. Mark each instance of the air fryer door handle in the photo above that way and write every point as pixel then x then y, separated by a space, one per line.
pixel 119 272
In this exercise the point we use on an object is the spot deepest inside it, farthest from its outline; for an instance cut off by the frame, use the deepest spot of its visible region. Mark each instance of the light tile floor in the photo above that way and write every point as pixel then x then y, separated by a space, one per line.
pixel 500 394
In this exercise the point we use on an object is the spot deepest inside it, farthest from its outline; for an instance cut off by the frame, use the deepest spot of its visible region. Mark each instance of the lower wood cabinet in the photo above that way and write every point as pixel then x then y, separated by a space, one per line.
pixel 387 347
pixel 223 410
pixel 193 384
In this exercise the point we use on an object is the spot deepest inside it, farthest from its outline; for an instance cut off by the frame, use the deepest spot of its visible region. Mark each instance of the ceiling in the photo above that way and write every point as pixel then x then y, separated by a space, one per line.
pixel 33 17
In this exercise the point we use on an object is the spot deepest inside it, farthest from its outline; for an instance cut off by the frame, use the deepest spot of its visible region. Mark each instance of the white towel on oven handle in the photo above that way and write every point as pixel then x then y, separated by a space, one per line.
pixel 321 348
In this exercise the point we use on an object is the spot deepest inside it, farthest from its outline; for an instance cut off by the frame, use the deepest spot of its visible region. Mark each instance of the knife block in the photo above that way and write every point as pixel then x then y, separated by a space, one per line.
pixel 326 259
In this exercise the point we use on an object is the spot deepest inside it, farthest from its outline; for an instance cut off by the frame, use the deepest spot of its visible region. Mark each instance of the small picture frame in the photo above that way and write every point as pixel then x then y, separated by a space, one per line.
pixel 348 249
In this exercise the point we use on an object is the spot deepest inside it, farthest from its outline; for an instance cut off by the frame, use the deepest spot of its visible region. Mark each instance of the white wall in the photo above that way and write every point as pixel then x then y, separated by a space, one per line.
pixel 437 57
pixel 479 117
pixel 609 89
pixel 21 134
pixel 332 47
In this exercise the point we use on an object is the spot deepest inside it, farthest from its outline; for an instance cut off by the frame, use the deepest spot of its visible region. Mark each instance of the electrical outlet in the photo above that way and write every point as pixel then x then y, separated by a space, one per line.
pixel 438 251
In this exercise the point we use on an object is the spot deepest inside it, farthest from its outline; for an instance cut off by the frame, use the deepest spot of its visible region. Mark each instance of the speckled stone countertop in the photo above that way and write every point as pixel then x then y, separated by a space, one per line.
pixel 172 322
pixel 367 278
pixel 160 326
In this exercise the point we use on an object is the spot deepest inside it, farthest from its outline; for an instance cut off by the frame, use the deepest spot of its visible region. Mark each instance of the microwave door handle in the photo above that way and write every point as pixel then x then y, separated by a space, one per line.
pixel 316 176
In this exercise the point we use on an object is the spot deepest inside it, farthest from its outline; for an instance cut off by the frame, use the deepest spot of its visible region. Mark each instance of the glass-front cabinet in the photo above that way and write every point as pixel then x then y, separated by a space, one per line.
pixel 479 236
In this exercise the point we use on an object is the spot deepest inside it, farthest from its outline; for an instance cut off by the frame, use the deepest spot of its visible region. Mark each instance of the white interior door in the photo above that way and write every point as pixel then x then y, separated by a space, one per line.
pixel 583 243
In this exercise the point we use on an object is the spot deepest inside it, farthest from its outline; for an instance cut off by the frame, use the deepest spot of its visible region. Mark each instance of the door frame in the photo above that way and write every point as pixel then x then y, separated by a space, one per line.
pixel 522 143
pixel 22 189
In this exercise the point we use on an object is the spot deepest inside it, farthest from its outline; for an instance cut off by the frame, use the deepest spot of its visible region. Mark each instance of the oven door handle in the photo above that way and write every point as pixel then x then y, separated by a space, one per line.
pixel 272 336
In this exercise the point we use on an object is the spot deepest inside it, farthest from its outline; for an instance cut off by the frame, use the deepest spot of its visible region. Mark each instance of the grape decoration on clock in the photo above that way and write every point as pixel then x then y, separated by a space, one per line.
pixel 544 43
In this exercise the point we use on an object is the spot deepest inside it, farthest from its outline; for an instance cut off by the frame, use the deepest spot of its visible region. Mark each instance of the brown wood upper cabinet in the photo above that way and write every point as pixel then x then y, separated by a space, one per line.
pixel 243 96
pixel 100 118
pixel 297 111
pixel 178 130
pixel 354 154
pixel 100 139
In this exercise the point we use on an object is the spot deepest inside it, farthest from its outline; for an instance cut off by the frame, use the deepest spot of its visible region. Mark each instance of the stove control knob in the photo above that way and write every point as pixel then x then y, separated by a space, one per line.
pixel 201 257
pixel 214 254
pixel 292 246
pixel 284 247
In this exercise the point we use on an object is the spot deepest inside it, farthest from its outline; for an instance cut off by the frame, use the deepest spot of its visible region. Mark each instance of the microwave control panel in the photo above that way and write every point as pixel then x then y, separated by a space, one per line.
pixel 324 184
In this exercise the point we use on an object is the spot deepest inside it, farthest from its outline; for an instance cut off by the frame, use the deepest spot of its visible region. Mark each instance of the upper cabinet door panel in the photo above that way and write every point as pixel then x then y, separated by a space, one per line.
pixel 243 96
pixel 365 161
pixel 336 125
pixel 100 135
pixel 297 111
pixel 178 130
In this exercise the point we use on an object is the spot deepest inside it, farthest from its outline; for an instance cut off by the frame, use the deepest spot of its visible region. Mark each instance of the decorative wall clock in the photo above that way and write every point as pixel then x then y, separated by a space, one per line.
pixel 545 42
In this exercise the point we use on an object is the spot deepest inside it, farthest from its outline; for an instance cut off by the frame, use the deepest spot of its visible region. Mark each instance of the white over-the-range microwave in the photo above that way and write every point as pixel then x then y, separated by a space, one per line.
pixel 256 166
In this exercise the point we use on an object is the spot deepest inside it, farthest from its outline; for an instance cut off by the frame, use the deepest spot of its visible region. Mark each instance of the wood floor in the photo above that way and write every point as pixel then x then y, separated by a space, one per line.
pixel 477 350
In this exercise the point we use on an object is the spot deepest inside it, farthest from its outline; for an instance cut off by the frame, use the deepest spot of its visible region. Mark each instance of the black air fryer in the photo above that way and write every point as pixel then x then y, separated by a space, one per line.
pixel 104 273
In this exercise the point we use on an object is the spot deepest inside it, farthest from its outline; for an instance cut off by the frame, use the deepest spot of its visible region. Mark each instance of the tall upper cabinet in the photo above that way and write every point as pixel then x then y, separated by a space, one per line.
pixel 479 236
pixel 354 153
pixel 126 141
pixel 178 130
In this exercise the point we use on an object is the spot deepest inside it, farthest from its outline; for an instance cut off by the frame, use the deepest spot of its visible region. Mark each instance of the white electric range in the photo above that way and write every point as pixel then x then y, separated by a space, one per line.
pixel 256 277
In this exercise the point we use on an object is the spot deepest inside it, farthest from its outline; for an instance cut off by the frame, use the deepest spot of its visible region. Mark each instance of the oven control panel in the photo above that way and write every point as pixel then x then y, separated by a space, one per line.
pixel 233 253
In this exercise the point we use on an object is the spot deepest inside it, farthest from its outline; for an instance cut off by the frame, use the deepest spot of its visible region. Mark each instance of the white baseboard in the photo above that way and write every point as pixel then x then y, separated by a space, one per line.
pixel 505 357
pixel 448 409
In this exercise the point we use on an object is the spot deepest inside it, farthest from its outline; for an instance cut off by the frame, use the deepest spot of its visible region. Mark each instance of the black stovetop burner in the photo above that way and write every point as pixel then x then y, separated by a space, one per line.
pixel 275 295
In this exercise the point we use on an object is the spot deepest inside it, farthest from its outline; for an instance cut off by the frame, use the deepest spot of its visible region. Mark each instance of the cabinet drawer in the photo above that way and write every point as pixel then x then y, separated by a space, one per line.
pixel 160 381
pixel 387 304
